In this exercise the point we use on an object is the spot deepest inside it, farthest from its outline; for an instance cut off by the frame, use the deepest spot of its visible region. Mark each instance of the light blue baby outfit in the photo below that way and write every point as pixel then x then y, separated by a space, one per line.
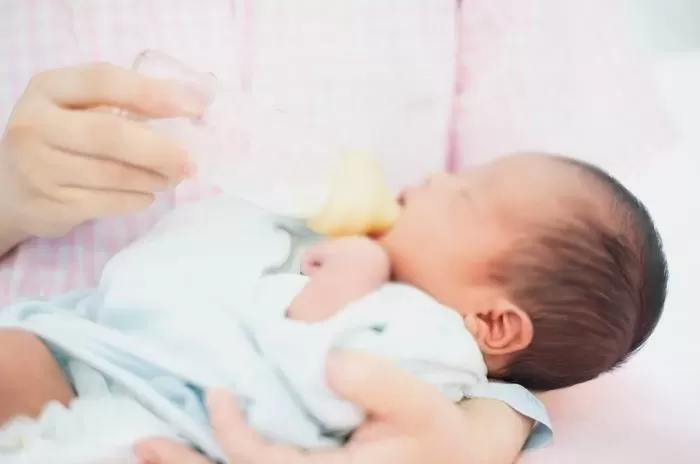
pixel 193 305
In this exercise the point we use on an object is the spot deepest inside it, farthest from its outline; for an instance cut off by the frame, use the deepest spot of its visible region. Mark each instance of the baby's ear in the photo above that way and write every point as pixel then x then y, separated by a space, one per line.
pixel 501 329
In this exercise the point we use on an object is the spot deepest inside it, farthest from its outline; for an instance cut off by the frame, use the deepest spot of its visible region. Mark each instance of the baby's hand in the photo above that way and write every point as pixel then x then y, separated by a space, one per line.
pixel 348 255
pixel 341 271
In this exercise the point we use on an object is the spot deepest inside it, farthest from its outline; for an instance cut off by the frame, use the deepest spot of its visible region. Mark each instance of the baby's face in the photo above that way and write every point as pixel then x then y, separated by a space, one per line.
pixel 454 225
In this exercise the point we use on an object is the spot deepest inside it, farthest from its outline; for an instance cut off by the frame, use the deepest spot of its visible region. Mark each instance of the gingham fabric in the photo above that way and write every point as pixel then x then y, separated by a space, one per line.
pixel 40 34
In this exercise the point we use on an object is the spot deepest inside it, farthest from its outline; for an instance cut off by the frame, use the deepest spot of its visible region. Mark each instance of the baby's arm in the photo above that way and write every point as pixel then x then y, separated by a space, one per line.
pixel 340 272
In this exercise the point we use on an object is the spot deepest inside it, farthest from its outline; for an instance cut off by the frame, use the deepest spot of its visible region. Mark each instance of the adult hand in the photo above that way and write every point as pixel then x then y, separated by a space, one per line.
pixel 65 159
pixel 409 423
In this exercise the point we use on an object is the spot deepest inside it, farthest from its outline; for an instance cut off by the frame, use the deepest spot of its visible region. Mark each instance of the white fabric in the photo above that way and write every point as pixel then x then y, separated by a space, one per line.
pixel 189 306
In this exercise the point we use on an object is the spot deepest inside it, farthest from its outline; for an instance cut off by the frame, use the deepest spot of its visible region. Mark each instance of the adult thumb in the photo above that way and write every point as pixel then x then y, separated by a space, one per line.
pixel 385 391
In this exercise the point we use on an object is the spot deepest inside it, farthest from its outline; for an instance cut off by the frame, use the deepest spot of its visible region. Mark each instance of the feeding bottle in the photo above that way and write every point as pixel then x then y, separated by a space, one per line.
pixel 286 167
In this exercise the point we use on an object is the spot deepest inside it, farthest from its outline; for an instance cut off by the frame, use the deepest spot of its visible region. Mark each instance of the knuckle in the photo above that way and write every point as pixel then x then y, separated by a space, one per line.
pixel 26 121
pixel 19 129
pixel 39 80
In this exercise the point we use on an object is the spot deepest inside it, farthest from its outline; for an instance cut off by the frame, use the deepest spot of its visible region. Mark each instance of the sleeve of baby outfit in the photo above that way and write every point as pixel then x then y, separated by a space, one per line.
pixel 524 402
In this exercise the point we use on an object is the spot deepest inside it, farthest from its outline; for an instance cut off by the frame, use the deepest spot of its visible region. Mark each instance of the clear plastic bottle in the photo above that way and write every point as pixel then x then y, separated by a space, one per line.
pixel 286 167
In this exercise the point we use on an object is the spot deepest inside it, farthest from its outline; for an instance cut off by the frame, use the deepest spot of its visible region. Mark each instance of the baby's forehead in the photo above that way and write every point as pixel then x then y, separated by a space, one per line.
pixel 540 186
pixel 534 174
pixel 530 165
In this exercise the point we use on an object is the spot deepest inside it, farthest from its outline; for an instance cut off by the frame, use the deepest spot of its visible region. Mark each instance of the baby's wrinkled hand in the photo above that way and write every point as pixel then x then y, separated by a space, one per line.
pixel 340 271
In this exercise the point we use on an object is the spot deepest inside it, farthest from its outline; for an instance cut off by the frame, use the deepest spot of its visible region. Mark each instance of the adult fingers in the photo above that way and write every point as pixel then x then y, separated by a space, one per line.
pixel 114 137
pixel 163 451
pixel 101 84
pixel 76 170
pixel 242 445
pixel 92 203
pixel 386 392
pixel 237 439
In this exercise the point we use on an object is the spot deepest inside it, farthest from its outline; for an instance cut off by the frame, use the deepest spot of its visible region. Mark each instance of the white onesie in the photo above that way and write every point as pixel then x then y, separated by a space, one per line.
pixel 191 306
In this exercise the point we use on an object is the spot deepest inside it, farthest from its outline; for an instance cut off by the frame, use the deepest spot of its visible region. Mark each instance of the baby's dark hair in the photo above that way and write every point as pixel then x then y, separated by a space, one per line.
pixel 593 288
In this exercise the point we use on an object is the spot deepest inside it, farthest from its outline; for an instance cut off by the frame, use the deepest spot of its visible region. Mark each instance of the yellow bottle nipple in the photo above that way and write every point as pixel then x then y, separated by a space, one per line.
pixel 359 203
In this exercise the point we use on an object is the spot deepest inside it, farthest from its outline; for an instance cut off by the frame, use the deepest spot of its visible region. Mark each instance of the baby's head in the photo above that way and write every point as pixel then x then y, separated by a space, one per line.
pixel 555 266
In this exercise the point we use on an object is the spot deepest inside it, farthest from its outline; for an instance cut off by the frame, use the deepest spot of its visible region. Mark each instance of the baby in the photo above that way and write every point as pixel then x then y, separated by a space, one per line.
pixel 555 267
pixel 552 271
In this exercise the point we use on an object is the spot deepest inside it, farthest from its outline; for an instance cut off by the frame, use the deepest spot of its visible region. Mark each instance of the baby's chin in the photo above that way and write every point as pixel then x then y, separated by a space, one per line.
pixel 380 236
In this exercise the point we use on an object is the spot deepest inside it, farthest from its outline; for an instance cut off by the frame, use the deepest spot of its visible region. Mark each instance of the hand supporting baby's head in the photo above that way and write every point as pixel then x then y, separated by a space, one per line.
pixel 340 271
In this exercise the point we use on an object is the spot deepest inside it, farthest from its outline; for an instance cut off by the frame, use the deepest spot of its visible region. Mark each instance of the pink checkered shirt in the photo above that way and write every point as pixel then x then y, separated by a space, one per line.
pixel 39 34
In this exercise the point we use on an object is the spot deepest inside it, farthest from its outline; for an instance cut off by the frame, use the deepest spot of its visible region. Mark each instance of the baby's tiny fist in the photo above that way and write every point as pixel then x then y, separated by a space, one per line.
pixel 345 255
pixel 311 263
